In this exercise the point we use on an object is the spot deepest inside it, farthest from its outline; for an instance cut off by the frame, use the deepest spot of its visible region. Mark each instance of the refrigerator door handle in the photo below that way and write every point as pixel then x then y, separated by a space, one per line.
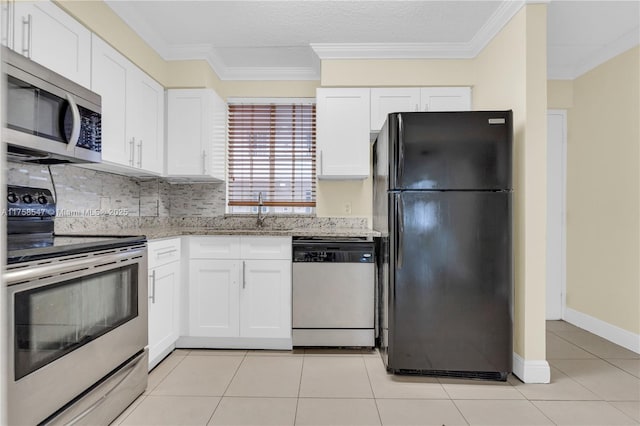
pixel 400 231
pixel 400 145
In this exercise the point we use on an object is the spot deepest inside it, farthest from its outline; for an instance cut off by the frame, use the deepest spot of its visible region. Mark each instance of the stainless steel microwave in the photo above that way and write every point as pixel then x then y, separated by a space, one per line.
pixel 49 118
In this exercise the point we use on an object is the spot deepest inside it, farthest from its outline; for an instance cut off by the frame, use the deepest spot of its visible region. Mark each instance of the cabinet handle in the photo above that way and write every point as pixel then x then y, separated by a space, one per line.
pixel 244 281
pixel 140 154
pixel 321 164
pixel 153 287
pixel 131 150
pixel 204 161
pixel 26 36
pixel 417 108
pixel 164 253
pixel 426 107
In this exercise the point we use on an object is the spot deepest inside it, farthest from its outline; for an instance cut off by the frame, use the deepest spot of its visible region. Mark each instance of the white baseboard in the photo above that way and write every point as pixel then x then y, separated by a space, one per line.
pixel 234 343
pixel 531 371
pixel 612 333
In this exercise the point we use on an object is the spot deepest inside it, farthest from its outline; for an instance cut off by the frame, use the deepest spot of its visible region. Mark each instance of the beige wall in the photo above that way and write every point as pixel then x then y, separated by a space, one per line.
pixel 559 94
pixel 603 193
pixel 511 74
pixel 413 72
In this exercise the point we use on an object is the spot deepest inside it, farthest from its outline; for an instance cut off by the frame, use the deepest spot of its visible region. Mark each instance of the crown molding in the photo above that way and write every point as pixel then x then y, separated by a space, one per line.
pixel 503 14
pixel 392 50
pixel 608 51
pixel 599 57
pixel 208 53
pixel 495 24
pixel 270 73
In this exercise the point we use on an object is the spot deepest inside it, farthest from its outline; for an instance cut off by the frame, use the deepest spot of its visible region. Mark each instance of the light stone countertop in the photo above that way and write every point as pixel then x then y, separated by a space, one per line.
pixel 157 228
pixel 155 233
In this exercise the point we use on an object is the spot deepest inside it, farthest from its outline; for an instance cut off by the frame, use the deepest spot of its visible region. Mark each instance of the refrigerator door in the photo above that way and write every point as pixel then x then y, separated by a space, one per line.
pixel 468 150
pixel 450 289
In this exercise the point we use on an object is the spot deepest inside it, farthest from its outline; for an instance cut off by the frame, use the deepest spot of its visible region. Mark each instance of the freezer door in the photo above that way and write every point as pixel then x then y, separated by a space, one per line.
pixel 468 150
pixel 450 295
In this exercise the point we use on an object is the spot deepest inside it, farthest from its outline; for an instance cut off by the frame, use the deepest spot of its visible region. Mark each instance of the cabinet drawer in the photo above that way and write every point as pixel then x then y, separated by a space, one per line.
pixel 218 247
pixel 161 252
pixel 265 248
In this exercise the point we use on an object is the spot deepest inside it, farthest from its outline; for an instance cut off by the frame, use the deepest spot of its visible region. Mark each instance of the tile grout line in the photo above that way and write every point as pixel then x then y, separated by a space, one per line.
pixel 295 415
pixel 375 400
pixel 619 410
pixel 227 388
pixel 131 412
pixel 168 372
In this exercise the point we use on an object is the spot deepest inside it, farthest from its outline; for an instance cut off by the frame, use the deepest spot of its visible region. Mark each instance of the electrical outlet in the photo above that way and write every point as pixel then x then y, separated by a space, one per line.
pixel 347 208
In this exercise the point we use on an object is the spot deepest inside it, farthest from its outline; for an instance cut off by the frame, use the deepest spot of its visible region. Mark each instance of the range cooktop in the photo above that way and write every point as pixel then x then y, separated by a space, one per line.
pixel 63 245
pixel 30 229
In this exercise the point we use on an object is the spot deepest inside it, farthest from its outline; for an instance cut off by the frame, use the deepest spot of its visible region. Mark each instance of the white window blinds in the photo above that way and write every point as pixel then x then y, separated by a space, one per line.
pixel 271 150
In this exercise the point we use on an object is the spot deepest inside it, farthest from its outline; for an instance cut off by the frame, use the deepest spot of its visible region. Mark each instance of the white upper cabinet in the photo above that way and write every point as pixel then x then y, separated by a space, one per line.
pixel 408 99
pixel 43 32
pixel 445 99
pixel 392 99
pixel 342 123
pixel 196 134
pixel 132 113
pixel 109 79
pixel 147 122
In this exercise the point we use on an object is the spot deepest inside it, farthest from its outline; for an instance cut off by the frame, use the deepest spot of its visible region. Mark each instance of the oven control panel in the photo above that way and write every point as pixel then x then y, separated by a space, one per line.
pixel 25 201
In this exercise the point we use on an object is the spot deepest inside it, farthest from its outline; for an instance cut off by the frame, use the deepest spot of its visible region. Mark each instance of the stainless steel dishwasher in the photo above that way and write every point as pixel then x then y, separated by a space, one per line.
pixel 333 292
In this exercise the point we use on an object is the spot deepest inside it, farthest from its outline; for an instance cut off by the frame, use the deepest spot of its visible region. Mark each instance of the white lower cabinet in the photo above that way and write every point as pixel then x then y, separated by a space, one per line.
pixel 239 296
pixel 265 303
pixel 164 298
pixel 214 298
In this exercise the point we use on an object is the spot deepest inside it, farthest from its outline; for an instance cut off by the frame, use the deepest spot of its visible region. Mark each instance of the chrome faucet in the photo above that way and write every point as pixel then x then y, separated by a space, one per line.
pixel 260 221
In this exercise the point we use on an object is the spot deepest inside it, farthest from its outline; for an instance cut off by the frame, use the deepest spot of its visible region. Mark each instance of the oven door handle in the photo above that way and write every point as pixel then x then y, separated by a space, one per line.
pixel 67 266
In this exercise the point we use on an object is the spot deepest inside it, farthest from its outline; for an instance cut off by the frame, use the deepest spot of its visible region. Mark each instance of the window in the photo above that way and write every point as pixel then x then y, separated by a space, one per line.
pixel 271 151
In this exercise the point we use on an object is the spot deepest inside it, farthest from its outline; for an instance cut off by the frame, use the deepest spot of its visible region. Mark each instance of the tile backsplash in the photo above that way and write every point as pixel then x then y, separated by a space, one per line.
pixel 83 192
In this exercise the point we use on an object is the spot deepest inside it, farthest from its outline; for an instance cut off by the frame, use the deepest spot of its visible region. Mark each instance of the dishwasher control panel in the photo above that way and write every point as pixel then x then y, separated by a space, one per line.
pixel 333 251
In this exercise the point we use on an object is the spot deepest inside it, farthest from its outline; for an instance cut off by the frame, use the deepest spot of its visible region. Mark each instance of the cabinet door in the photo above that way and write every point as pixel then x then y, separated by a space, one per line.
pixel 217 149
pixel 392 99
pixel 342 122
pixel 214 298
pixel 265 301
pixel 47 35
pixel 146 114
pixel 189 132
pixel 445 98
pixel 110 79
pixel 164 296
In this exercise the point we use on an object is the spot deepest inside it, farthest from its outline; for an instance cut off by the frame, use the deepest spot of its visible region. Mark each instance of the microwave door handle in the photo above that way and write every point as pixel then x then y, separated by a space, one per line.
pixel 75 129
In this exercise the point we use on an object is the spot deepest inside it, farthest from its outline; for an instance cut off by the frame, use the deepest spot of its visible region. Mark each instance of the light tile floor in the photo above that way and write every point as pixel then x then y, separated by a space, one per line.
pixel 593 382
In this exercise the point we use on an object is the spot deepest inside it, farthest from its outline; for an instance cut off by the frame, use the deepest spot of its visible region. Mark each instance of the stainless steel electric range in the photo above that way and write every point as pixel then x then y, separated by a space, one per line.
pixel 77 309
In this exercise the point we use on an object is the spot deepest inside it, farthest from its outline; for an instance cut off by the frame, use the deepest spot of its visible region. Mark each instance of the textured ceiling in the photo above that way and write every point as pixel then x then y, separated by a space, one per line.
pixel 283 39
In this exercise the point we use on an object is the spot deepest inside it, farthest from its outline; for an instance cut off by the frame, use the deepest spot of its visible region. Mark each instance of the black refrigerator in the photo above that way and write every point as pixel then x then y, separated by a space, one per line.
pixel 443 205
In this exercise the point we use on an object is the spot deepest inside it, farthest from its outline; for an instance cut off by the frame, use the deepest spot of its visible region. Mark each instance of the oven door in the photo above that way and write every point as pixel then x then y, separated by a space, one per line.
pixel 73 320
